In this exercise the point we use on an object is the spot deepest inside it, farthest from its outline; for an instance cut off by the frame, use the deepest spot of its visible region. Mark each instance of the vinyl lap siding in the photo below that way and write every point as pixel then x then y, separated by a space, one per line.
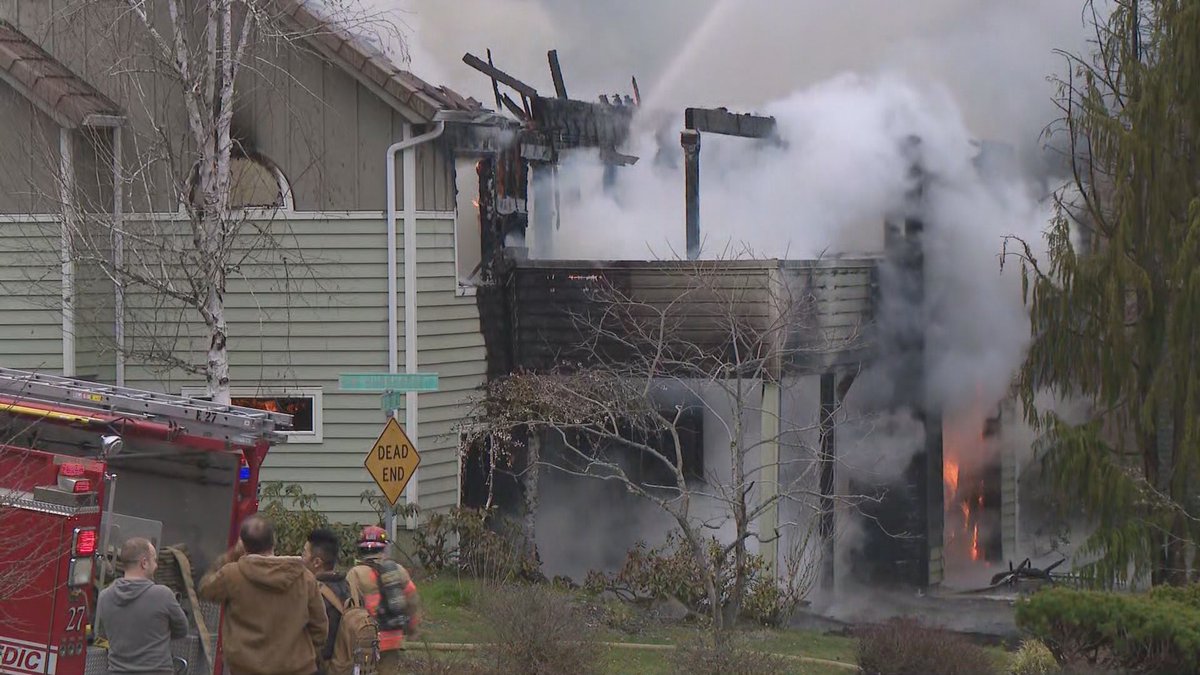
pixel 30 296
pixel 320 309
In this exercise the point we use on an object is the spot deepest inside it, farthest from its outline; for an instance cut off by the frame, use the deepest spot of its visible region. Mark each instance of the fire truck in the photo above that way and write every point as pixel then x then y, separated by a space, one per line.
pixel 86 466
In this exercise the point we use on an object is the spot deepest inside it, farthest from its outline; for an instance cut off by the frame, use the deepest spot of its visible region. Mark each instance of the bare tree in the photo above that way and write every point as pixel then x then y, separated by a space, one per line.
pixel 180 67
pixel 722 340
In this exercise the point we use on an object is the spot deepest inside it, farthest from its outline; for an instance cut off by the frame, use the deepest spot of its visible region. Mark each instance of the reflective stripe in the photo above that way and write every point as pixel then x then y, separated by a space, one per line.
pixel 388 639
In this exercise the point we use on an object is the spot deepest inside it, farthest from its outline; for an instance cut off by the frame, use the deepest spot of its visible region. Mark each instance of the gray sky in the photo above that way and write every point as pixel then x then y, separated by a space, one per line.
pixel 993 56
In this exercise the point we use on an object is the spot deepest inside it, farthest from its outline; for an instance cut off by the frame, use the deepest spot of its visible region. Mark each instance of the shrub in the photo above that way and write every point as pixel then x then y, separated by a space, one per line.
pixel 670 571
pixel 906 647
pixel 621 616
pixel 537 631
pixel 294 515
pixel 1033 658
pixel 705 656
pixel 475 542
pixel 1187 595
pixel 1158 632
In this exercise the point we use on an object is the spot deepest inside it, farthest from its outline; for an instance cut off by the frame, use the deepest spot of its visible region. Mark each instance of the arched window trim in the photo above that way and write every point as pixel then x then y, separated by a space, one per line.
pixel 287 200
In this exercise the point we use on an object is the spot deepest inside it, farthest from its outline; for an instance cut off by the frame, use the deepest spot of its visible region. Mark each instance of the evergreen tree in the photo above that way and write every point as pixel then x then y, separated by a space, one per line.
pixel 1115 303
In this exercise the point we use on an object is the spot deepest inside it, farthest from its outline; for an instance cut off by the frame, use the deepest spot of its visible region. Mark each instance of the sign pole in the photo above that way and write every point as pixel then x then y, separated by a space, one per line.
pixel 401 477
pixel 389 517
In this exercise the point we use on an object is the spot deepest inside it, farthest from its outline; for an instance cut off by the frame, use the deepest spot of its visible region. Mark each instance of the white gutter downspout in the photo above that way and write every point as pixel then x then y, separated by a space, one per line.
pixel 408 146
pixel 66 169
pixel 118 244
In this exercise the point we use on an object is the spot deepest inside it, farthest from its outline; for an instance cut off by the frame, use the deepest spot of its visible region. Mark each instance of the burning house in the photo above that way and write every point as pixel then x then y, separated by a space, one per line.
pixel 944 512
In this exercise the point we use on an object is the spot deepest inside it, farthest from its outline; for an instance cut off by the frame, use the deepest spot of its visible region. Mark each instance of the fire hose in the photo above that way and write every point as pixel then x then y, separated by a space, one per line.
pixel 185 571
pixel 476 646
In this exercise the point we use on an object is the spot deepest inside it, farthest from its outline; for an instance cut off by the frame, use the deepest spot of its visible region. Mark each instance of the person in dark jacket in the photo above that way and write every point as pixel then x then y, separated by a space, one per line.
pixel 321 557
pixel 138 617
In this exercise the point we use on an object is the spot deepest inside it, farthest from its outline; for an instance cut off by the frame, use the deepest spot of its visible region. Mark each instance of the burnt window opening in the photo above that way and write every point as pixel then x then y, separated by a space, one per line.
pixel 255 182
pixel 641 466
pixel 690 429
pixel 304 404
pixel 301 408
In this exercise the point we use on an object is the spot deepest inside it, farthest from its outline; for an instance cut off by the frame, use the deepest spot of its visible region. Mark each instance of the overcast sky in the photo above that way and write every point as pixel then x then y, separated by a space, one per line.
pixel 993 56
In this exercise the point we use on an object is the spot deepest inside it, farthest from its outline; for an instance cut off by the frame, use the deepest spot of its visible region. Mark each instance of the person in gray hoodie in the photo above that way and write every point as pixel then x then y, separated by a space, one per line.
pixel 138 617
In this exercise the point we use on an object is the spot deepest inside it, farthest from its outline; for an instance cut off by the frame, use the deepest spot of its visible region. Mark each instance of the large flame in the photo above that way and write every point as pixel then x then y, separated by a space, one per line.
pixel 962 448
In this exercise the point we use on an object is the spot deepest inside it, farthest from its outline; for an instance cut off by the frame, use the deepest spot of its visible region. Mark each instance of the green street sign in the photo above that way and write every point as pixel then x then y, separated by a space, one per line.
pixel 391 400
pixel 394 382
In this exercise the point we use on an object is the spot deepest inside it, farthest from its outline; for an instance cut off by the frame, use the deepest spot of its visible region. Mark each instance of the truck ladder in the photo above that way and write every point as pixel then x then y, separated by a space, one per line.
pixel 243 426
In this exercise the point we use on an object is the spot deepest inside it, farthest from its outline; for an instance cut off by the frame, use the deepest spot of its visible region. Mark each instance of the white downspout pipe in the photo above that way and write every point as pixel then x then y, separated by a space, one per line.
pixel 408 147
pixel 66 169
pixel 118 244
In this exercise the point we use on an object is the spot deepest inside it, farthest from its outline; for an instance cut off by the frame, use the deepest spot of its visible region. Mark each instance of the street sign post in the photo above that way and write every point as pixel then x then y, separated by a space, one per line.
pixel 391 400
pixel 392 460
pixel 381 382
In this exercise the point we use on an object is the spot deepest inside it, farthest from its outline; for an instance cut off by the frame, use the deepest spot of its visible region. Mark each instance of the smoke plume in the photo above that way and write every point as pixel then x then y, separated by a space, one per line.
pixel 849 83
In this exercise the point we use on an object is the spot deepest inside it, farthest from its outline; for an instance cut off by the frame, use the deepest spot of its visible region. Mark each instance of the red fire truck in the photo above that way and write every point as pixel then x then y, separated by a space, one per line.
pixel 85 466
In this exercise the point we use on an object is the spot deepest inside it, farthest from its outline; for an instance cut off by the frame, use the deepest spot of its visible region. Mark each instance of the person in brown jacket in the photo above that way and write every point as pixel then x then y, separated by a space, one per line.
pixel 275 621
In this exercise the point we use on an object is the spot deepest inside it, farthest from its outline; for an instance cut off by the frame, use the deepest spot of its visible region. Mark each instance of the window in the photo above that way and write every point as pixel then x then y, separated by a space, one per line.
pixel 468 242
pixel 255 182
pixel 302 403
pixel 648 470
pixel 691 445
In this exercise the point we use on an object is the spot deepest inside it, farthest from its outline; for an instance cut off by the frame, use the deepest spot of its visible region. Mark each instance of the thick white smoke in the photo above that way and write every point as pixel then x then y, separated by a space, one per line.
pixel 848 83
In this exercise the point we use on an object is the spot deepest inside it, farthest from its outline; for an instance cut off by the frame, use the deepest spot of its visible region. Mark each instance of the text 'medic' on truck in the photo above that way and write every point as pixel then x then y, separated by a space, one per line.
pixel 83 468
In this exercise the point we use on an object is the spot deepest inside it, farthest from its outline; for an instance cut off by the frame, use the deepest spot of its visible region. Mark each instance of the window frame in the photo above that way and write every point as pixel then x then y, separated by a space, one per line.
pixel 316 393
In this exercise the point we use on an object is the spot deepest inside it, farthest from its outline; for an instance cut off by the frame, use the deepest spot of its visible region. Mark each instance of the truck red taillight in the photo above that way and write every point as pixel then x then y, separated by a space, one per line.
pixel 83 551
pixel 85 543
pixel 71 478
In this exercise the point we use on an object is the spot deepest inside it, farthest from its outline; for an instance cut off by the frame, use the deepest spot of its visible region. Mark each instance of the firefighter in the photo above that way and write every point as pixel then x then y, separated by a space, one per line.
pixel 274 619
pixel 389 593
pixel 138 617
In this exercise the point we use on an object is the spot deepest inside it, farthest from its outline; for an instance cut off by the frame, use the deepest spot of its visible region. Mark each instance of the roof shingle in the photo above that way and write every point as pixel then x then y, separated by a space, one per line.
pixel 365 60
pixel 64 96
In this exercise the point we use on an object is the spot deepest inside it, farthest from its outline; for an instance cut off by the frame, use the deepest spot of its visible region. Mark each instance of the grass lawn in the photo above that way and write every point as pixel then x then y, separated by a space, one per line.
pixel 450 616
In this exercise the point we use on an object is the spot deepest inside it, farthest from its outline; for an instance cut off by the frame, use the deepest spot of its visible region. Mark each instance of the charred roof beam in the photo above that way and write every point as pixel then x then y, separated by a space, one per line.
pixel 713 121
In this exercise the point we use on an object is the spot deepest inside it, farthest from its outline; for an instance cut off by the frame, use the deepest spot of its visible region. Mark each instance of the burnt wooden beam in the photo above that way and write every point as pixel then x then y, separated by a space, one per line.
pixel 690 140
pixel 610 156
pixel 513 107
pixel 560 88
pixel 497 74
pixel 721 121
pixel 495 84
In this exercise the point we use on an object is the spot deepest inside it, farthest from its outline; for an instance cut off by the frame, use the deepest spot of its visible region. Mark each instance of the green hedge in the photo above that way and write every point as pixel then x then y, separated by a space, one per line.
pixel 1157 632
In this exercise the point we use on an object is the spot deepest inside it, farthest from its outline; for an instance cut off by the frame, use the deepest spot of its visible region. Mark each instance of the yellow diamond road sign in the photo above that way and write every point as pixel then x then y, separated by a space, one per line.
pixel 392 460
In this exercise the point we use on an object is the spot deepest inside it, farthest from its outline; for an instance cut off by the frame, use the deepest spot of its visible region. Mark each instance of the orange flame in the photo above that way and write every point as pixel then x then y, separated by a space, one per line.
pixel 962 442
pixel 950 476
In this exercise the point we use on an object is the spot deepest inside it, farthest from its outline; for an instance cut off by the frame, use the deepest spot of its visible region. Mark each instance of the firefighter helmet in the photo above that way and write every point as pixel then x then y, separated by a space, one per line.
pixel 372 538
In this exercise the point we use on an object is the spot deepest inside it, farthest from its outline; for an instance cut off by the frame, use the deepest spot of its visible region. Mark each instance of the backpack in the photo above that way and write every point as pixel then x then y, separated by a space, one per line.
pixel 356 643
pixel 395 608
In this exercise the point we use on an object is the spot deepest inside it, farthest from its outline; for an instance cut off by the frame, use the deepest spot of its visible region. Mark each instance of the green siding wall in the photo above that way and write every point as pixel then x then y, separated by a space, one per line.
pixel 30 296
pixel 318 308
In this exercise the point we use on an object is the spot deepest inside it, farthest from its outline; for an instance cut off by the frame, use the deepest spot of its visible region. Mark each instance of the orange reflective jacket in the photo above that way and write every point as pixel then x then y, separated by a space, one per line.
pixel 367 582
